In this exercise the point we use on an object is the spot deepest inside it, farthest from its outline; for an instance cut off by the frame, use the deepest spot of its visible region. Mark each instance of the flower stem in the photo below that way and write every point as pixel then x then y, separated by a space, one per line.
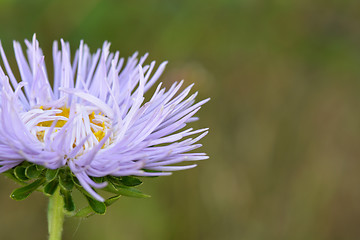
pixel 55 215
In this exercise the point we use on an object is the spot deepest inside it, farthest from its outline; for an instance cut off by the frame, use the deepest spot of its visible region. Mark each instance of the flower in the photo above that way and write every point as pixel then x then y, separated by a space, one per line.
pixel 94 118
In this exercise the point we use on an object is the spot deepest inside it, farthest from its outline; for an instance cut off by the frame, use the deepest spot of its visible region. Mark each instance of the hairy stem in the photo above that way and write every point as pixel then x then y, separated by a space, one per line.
pixel 55 215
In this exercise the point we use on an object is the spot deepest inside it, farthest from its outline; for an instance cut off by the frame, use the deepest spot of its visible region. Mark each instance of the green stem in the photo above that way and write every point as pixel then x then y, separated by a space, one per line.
pixel 55 215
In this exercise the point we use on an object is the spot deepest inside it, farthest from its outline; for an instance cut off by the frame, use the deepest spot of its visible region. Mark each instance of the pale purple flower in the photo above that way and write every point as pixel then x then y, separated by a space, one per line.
pixel 94 118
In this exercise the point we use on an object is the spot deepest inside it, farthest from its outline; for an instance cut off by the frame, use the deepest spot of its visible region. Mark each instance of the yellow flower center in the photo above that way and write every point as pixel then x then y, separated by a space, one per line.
pixel 99 132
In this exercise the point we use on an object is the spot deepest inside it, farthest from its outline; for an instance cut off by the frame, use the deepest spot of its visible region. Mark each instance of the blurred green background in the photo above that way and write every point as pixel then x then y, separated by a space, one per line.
pixel 284 79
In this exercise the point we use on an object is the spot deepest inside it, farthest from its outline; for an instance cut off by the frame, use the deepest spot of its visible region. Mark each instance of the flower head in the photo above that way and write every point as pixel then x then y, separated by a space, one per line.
pixel 94 118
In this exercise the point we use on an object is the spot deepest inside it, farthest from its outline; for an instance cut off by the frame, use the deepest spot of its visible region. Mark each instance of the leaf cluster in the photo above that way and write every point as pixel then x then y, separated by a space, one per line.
pixel 35 177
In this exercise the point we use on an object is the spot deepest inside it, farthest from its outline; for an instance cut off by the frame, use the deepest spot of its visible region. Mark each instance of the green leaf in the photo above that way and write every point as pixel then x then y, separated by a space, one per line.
pixel 131 192
pixel 32 171
pixel 10 174
pixel 66 181
pixel 98 179
pixel 76 181
pixel 24 192
pixel 68 201
pixel 85 212
pixel 130 181
pixel 51 187
pixel 97 207
pixel 126 180
pixel 113 180
pixel 111 200
pixel 19 173
pixel 40 167
pixel 51 174
pixel 125 191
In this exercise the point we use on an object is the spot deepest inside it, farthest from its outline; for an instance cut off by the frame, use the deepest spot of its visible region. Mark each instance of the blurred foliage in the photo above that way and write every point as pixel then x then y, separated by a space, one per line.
pixel 284 81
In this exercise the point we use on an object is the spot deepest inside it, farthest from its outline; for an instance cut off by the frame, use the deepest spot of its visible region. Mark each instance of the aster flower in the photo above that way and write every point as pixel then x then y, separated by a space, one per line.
pixel 93 118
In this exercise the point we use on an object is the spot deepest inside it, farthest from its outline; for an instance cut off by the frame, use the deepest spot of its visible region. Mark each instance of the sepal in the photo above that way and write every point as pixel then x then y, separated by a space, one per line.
pixel 23 192
pixel 125 191
pixel 19 173
pixel 129 181
pixel 35 177
pixel 51 187
pixel 33 172
pixel 69 204
pixel 51 174
pixel 111 200
pixel 66 181
pixel 96 206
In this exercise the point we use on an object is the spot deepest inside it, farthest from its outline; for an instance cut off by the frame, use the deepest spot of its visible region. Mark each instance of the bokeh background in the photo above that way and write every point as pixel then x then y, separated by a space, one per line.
pixel 284 79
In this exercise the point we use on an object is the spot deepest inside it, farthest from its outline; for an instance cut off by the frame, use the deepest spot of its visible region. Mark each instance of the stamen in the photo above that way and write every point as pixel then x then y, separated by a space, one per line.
pixel 65 113
pixel 97 125
pixel 40 135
